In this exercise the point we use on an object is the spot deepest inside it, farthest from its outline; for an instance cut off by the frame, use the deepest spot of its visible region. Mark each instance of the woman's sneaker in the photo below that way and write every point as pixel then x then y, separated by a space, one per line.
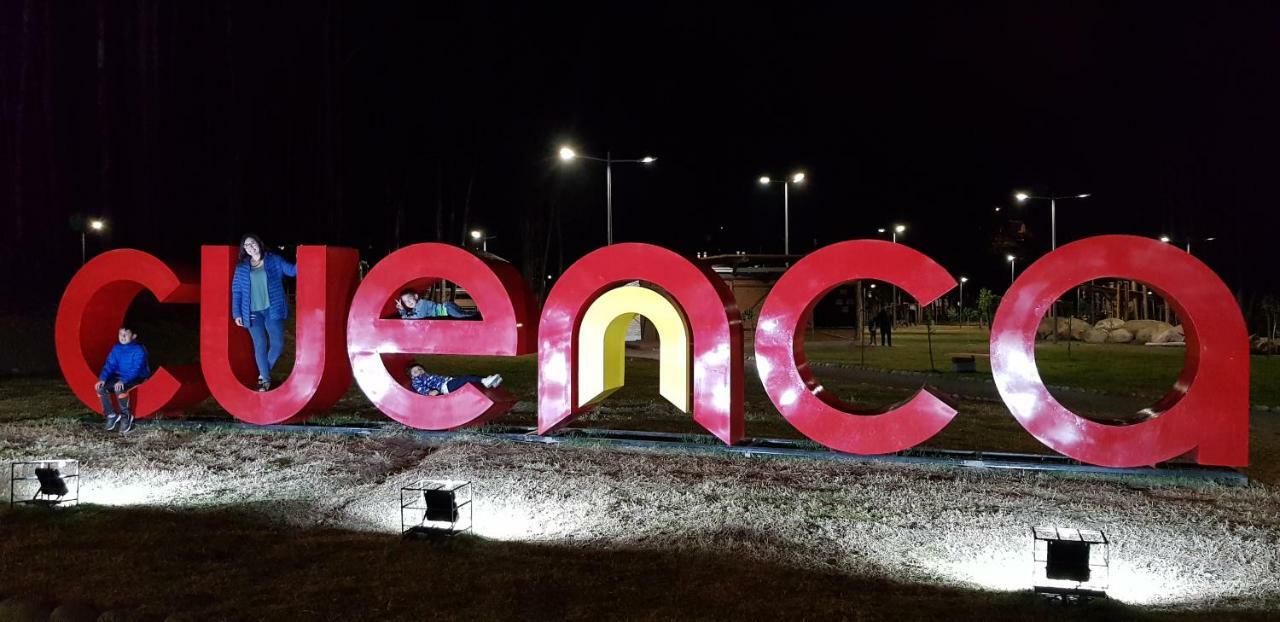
pixel 264 384
pixel 112 420
pixel 492 382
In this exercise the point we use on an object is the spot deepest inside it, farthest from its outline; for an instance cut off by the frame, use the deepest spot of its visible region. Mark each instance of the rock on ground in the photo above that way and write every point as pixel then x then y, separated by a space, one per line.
pixel 1095 335
pixel 1168 336
pixel 1119 335
pixel 1110 324
pixel 1144 330
pixel 1067 328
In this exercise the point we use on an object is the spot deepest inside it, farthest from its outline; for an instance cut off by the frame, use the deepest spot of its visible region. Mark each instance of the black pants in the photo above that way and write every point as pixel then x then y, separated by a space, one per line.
pixel 886 336
pixel 105 392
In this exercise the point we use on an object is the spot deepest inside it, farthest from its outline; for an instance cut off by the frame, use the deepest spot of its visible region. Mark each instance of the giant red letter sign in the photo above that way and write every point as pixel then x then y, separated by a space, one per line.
pixel 1208 408
pixel 91 312
pixel 321 374
pixel 786 376
pixel 377 337
pixel 707 302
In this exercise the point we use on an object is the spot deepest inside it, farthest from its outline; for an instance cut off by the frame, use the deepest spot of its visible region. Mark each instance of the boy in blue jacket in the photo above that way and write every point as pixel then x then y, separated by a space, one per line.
pixel 425 383
pixel 413 307
pixel 126 367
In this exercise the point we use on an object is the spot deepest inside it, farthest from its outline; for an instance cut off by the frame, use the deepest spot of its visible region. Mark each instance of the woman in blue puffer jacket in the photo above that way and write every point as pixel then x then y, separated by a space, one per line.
pixel 258 302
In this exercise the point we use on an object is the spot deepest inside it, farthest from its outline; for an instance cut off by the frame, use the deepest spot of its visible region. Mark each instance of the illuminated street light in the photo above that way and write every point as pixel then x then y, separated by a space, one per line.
pixel 963 280
pixel 1023 197
pixel 567 153
pixel 796 178
pixel 896 230
pixel 1167 240
pixel 1013 261
pixel 95 224
pixel 483 239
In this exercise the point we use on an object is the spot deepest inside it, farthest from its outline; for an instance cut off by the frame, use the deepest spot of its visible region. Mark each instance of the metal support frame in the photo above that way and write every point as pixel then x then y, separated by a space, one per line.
pixel 765 447
pixel 413 502
pixel 28 475
pixel 1097 562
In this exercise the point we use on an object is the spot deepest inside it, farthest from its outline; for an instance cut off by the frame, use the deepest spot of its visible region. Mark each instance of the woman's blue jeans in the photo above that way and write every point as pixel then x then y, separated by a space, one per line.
pixel 268 341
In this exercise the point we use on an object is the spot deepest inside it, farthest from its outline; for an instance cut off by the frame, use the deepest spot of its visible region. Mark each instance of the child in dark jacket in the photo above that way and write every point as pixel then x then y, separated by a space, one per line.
pixel 126 367
pixel 414 307
pixel 424 383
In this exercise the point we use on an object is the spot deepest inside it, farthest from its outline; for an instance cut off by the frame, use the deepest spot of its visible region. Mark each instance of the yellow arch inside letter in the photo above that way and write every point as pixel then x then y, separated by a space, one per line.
pixel 602 345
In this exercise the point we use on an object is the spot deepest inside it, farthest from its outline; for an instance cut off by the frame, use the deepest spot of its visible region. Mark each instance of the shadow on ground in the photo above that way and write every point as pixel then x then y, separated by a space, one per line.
pixel 233 564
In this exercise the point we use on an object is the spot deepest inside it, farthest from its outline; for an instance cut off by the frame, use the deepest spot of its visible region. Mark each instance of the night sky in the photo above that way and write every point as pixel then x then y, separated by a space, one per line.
pixel 381 124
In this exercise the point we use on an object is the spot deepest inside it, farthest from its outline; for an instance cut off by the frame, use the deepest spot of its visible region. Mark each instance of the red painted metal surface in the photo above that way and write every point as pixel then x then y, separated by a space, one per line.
pixel 92 309
pixel 321 373
pixel 787 377
pixel 1207 410
pixel 380 344
pixel 706 301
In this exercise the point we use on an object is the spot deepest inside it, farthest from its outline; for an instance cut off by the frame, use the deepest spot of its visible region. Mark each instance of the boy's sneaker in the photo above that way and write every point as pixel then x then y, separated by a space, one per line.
pixel 492 382
pixel 112 420
pixel 264 384
pixel 126 422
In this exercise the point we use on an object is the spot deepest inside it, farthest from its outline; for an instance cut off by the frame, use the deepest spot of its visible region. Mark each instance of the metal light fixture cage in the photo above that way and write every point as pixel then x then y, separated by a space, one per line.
pixel 48 482
pixel 436 507
pixel 1070 562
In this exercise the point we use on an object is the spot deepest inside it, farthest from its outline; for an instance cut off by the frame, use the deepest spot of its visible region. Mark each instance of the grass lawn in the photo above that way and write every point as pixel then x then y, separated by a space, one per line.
pixel 1110 368
pixel 228 525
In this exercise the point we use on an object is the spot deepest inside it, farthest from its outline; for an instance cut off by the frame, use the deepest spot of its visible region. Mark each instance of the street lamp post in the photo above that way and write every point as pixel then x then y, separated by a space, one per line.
pixel 1023 197
pixel 797 178
pixel 893 232
pixel 97 225
pixel 963 280
pixel 1013 261
pixel 567 153
pixel 483 239
pixel 1167 240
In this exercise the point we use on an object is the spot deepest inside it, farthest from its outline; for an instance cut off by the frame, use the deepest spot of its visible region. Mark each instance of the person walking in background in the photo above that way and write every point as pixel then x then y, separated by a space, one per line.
pixel 414 307
pixel 126 367
pixel 258 302
pixel 871 328
pixel 884 321
pixel 424 383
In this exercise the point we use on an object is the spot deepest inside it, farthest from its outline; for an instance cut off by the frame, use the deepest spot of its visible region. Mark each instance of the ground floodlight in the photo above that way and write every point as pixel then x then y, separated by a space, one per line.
pixel 435 508
pixel 1070 562
pixel 51 480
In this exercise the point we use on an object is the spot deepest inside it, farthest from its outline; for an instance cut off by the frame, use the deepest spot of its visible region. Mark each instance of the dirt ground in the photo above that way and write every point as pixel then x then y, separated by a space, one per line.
pixel 234 525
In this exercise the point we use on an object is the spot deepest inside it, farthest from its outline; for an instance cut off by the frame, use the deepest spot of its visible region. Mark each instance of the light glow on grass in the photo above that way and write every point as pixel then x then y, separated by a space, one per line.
pixel 1134 581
